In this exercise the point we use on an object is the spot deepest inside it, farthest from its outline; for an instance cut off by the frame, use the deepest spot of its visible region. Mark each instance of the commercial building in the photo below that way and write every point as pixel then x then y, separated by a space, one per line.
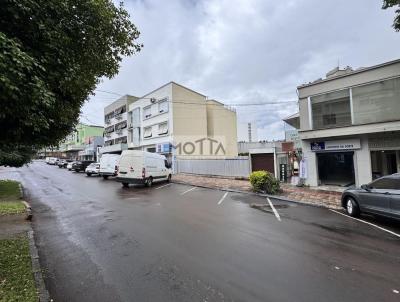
pixel 116 125
pixel 350 125
pixel 180 123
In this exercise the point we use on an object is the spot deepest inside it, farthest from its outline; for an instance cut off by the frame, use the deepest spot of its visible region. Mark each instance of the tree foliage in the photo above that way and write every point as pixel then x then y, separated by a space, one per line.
pixel 52 56
pixel 393 3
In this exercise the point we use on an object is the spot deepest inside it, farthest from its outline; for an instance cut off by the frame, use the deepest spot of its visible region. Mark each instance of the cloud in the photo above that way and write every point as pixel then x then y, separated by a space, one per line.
pixel 249 51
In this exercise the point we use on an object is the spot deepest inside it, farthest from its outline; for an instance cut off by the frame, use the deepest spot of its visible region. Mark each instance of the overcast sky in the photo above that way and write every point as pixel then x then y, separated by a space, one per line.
pixel 248 51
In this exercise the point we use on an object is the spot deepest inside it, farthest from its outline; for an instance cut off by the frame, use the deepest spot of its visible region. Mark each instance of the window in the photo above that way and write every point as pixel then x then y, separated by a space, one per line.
pixel 163 128
pixel 152 150
pixel 146 112
pixel 377 102
pixel 163 106
pixel 385 183
pixel 331 110
pixel 147 132
pixel 121 125
pixel 135 117
pixel 136 136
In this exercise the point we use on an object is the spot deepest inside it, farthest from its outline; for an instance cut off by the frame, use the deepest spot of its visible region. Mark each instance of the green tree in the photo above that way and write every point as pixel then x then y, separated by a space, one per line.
pixel 52 56
pixel 392 3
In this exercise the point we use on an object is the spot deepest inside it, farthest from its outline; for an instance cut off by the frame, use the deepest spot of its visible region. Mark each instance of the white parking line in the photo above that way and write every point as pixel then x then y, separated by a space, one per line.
pixel 222 199
pixel 274 210
pixel 163 186
pixel 366 222
pixel 187 191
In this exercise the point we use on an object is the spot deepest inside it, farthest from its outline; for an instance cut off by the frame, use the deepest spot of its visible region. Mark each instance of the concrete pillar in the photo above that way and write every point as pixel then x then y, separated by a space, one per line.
pixel 312 165
pixel 362 163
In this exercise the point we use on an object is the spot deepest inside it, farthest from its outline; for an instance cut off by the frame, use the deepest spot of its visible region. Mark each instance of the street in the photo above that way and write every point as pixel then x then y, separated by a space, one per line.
pixel 98 242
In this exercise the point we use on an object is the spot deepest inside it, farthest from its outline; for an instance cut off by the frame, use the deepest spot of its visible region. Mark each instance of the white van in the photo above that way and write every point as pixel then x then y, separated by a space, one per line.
pixel 109 165
pixel 141 167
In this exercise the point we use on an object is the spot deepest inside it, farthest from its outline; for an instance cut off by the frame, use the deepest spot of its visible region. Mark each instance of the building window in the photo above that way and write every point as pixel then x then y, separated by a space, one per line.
pixel 163 106
pixel 135 136
pixel 377 102
pixel 135 117
pixel 147 132
pixel 331 110
pixel 146 112
pixel 163 128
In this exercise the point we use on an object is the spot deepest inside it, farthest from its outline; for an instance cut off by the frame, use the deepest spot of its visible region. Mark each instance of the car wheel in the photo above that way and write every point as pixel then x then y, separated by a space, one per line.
pixel 169 178
pixel 149 182
pixel 105 176
pixel 125 184
pixel 88 174
pixel 352 207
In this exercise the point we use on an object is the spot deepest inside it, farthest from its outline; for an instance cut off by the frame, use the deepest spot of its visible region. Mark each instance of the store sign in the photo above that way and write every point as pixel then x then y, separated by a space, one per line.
pixel 337 145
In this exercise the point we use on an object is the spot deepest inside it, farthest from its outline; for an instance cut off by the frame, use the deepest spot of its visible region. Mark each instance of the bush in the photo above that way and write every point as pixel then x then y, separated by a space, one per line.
pixel 264 181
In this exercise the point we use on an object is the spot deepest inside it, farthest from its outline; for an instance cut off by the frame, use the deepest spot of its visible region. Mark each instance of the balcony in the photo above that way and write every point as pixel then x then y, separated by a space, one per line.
pixel 118 116
pixel 108 121
pixel 119 131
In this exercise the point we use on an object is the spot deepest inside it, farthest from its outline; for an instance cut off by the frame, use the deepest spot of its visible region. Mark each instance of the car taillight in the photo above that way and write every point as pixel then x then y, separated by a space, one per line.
pixel 143 172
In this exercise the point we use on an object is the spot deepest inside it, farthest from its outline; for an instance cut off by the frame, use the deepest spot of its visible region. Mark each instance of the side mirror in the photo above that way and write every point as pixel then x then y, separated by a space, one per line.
pixel 365 187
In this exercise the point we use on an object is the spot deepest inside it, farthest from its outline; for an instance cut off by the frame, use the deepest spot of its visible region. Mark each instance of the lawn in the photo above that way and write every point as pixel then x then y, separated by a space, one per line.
pixel 16 277
pixel 10 195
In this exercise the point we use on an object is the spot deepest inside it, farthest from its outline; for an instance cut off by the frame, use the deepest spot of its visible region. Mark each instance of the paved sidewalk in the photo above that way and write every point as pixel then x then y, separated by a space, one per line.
pixel 329 199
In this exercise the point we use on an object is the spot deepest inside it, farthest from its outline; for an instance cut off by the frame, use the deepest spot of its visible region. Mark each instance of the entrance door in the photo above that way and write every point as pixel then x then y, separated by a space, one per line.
pixel 336 168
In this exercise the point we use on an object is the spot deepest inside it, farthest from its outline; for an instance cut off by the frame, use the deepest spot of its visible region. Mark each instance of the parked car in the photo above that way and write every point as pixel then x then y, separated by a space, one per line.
pixel 93 168
pixel 141 167
pixel 63 163
pixel 109 165
pixel 69 165
pixel 379 197
pixel 81 165
pixel 47 160
pixel 52 160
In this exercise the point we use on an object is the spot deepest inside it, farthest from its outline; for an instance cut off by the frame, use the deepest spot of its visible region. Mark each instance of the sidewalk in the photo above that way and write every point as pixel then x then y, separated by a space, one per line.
pixel 329 199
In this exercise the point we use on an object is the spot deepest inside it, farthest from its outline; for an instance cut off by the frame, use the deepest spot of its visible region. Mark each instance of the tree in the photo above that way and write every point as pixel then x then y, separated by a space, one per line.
pixel 52 56
pixel 392 3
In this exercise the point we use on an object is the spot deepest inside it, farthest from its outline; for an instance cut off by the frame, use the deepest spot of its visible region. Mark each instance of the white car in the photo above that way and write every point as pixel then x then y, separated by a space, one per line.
pixel 141 167
pixel 69 165
pixel 109 165
pixel 93 168
pixel 52 161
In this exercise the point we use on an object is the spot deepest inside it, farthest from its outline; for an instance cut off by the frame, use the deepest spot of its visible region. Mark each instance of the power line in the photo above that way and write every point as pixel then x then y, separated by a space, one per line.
pixel 110 92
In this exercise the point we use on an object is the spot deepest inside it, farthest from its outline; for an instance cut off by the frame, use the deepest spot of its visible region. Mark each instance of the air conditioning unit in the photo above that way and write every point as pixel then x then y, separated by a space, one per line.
pixel 153 100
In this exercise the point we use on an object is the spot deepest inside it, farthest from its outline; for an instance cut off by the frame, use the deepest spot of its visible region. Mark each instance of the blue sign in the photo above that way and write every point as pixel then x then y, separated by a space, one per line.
pixel 317 146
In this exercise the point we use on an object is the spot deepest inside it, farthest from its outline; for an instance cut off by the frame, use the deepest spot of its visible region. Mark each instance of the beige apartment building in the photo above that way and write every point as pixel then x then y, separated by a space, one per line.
pixel 350 125
pixel 181 123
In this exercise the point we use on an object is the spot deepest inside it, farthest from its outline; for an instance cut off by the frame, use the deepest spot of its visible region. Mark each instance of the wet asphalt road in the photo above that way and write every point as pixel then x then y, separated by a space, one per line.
pixel 100 242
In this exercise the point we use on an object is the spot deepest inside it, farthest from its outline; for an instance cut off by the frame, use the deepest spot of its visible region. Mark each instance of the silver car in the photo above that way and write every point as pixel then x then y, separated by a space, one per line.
pixel 379 197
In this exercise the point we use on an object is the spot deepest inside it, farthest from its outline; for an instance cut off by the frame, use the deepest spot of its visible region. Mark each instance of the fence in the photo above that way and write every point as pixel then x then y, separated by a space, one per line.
pixel 234 167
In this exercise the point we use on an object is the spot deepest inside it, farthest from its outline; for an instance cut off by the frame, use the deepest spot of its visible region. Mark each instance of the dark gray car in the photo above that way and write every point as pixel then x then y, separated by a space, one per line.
pixel 379 197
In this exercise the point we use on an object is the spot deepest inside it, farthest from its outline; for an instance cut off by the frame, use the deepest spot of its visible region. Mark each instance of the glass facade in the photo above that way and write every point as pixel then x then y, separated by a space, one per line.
pixel 331 110
pixel 377 102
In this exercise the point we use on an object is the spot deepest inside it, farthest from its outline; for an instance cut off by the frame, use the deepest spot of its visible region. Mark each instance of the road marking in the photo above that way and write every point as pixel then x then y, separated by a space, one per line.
pixel 163 186
pixel 366 222
pixel 187 191
pixel 274 210
pixel 222 199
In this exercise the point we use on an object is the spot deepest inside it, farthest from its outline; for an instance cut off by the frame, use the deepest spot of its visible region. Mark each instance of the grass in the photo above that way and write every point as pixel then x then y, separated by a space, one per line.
pixel 10 195
pixel 9 190
pixel 16 277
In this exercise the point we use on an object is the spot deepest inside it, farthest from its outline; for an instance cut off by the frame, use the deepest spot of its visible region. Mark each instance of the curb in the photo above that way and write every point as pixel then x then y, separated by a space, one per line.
pixel 36 269
pixel 37 272
pixel 257 194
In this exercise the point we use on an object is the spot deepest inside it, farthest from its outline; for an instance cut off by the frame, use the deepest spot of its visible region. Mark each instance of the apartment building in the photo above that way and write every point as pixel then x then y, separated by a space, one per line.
pixel 116 125
pixel 181 123
pixel 350 125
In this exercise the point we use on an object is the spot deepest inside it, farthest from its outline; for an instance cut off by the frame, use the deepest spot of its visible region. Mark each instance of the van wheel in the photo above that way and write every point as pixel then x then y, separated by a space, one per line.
pixel 105 176
pixel 149 182
pixel 169 178
pixel 125 184
pixel 352 207
pixel 88 174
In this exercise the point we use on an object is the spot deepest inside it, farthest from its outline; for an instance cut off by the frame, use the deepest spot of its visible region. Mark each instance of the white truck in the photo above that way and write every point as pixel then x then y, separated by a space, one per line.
pixel 109 165
pixel 141 167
